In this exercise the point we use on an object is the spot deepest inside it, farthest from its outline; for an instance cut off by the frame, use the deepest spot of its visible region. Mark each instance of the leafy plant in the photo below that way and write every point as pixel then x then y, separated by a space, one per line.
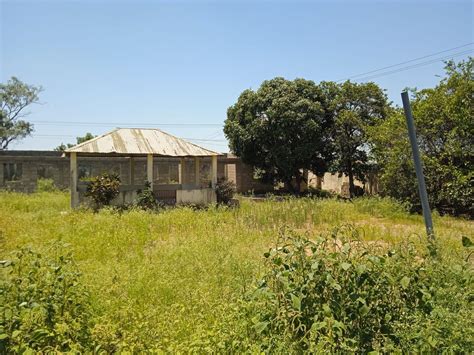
pixel 103 189
pixel 146 199
pixel 43 306
pixel 225 191
pixel 320 193
pixel 337 293
pixel 45 185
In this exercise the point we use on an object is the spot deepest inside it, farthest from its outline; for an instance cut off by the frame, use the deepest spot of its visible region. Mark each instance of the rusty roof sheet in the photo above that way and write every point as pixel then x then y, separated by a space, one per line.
pixel 140 141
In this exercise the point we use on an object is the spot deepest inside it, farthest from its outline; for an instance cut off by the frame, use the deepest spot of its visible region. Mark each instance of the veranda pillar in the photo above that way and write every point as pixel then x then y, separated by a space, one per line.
pixel 149 169
pixel 214 171
pixel 73 174
pixel 197 172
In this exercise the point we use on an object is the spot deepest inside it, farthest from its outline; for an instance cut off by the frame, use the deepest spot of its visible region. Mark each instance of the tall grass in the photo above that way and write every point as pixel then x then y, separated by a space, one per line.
pixel 161 280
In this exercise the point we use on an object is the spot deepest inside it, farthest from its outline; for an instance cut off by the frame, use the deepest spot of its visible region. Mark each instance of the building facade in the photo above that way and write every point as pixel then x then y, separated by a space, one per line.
pixel 20 171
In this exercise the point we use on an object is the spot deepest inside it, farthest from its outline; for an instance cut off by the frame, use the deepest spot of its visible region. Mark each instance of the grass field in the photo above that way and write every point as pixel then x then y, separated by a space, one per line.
pixel 167 278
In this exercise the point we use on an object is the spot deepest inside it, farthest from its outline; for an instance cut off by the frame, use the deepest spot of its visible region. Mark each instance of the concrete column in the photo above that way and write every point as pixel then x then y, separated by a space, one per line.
pixel 131 173
pixel 197 172
pixel 73 174
pixel 149 169
pixel 214 171
pixel 181 171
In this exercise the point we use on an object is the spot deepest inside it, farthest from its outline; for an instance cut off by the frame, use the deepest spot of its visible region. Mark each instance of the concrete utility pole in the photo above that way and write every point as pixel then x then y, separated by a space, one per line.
pixel 418 167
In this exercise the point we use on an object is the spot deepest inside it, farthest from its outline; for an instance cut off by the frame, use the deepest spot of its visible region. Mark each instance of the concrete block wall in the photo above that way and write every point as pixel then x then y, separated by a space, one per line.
pixel 33 164
pixel 230 167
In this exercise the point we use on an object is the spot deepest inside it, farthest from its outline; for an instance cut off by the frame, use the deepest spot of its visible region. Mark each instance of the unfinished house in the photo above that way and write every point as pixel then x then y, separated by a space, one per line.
pixel 178 171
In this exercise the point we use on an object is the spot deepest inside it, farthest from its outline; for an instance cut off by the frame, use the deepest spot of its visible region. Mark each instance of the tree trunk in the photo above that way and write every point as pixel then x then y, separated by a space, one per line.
pixel 350 173
pixel 298 180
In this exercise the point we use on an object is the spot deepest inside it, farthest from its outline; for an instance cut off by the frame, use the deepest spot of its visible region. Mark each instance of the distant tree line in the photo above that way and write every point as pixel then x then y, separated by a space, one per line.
pixel 285 127
pixel 62 147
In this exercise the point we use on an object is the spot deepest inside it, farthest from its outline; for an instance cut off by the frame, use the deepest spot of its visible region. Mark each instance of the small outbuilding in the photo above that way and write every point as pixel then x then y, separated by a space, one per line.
pixel 178 170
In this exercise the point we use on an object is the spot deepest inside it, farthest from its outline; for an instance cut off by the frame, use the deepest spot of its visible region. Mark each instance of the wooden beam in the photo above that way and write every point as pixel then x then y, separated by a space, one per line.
pixel 214 171
pixel 149 169
pixel 73 174
pixel 197 172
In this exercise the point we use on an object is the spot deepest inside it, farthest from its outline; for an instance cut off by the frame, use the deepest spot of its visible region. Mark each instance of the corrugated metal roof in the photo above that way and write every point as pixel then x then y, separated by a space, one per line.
pixel 139 141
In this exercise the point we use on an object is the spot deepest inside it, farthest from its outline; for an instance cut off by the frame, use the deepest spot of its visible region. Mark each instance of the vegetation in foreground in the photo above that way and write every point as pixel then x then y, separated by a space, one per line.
pixel 232 279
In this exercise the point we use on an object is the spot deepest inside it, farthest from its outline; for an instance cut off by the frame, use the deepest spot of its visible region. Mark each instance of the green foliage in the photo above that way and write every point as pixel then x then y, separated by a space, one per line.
pixel 356 108
pixel 338 294
pixel 45 185
pixel 173 281
pixel 320 193
pixel 62 147
pixel 43 306
pixel 103 189
pixel 287 126
pixel 225 191
pixel 443 119
pixel 281 129
pixel 146 199
pixel 15 96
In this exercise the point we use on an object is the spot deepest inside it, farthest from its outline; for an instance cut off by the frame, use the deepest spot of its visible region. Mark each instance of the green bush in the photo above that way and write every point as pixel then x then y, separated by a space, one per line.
pixel 146 199
pixel 225 191
pixel 43 306
pixel 444 128
pixel 103 189
pixel 338 294
pixel 320 193
pixel 45 185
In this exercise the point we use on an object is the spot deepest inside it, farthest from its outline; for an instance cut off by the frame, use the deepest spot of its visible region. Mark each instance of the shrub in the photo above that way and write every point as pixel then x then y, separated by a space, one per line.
pixel 225 191
pixel 338 294
pixel 145 198
pixel 320 193
pixel 45 185
pixel 103 189
pixel 43 306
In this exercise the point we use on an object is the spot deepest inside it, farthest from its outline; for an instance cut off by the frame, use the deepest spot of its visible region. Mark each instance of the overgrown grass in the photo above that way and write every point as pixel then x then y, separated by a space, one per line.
pixel 164 281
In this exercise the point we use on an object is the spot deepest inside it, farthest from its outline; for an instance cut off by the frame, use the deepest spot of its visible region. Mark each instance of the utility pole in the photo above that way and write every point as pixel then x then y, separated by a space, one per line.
pixel 418 167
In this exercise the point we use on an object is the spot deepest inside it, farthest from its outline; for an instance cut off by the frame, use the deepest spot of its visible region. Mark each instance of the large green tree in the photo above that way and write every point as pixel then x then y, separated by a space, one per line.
pixel 281 129
pixel 356 108
pixel 15 96
pixel 445 131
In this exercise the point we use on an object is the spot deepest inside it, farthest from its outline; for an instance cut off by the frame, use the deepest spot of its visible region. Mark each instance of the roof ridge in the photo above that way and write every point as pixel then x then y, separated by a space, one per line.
pixel 91 140
pixel 81 145
pixel 184 140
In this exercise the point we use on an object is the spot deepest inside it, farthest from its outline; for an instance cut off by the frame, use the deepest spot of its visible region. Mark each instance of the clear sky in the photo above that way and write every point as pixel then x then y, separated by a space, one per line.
pixel 105 64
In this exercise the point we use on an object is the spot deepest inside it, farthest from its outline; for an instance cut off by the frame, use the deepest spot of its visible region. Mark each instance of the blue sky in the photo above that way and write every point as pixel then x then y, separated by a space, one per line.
pixel 105 64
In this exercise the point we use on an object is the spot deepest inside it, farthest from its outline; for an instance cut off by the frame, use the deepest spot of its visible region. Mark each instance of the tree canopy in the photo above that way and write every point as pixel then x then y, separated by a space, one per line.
pixel 281 129
pixel 15 96
pixel 445 129
pixel 356 108
pixel 287 126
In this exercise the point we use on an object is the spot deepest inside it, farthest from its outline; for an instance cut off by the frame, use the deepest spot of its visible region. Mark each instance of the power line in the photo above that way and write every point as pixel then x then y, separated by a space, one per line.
pixel 406 62
pixel 416 65
pixel 122 124
pixel 53 135
pixel 205 140
pixel 70 136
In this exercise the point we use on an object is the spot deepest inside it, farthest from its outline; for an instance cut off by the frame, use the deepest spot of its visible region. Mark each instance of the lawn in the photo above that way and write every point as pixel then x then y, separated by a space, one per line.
pixel 164 280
